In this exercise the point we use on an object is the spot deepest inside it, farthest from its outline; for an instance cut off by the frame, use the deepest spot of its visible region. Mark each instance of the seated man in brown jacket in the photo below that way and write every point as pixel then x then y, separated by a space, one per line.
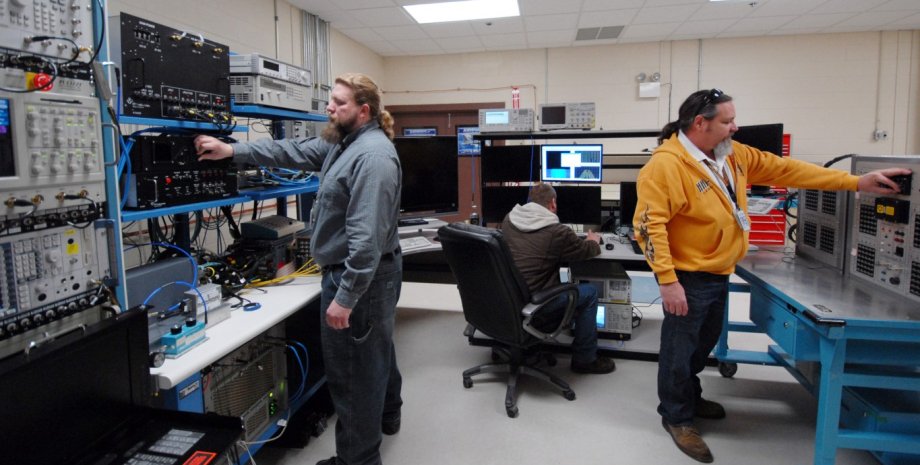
pixel 540 244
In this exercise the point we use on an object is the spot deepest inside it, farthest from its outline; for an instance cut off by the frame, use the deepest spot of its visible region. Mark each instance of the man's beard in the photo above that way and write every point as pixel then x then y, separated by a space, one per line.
pixel 724 149
pixel 333 133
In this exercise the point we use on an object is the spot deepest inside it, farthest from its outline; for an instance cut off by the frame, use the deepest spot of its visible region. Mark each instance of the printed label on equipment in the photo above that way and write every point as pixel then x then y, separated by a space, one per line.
pixel 184 392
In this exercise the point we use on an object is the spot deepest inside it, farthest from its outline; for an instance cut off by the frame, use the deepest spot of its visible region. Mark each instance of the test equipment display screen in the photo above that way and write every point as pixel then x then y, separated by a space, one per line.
pixel 571 163
pixel 7 163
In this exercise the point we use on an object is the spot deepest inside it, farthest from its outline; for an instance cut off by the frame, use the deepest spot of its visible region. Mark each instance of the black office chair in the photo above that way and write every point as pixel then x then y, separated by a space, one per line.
pixel 497 303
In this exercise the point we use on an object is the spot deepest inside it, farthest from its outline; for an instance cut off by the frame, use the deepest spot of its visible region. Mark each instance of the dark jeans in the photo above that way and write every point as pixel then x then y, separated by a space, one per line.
pixel 361 371
pixel 584 347
pixel 686 342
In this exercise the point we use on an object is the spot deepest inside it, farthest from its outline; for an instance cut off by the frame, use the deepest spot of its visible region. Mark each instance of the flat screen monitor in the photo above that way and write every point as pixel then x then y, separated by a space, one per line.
pixel 628 200
pixel 579 204
pixel 766 137
pixel 510 163
pixel 429 175
pixel 571 163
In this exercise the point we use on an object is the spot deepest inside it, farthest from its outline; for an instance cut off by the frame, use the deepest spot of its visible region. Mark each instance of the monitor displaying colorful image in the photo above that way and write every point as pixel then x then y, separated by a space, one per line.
pixel 572 163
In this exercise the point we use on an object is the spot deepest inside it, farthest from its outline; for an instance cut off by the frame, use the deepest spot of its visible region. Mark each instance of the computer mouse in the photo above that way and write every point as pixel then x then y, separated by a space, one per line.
pixel 609 246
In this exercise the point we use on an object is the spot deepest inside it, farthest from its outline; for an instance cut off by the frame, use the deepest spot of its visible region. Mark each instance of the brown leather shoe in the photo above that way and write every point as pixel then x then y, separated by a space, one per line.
pixel 708 409
pixel 600 366
pixel 688 440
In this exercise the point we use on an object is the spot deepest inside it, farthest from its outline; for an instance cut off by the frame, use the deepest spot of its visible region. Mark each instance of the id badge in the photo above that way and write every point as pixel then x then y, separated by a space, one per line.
pixel 742 220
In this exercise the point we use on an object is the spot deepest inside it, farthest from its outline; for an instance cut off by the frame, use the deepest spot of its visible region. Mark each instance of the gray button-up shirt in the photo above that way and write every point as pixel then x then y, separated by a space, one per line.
pixel 357 205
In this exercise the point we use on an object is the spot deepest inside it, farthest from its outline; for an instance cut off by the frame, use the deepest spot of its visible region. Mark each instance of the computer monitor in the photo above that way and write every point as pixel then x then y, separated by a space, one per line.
pixel 579 204
pixel 429 175
pixel 510 163
pixel 766 137
pixel 628 200
pixel 572 163
pixel 497 201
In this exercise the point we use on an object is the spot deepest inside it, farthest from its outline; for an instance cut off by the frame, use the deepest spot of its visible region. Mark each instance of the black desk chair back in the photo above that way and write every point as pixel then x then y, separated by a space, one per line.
pixel 497 303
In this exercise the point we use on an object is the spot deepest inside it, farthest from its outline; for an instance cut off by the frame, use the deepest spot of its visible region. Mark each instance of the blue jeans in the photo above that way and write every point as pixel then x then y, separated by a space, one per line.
pixel 686 342
pixel 361 371
pixel 584 347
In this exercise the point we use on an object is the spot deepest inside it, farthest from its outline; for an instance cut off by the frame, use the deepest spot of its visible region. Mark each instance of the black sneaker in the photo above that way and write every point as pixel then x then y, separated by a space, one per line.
pixel 600 366
pixel 391 423
pixel 331 461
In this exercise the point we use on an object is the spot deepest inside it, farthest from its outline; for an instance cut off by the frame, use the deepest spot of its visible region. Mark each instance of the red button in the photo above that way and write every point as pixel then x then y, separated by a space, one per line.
pixel 40 80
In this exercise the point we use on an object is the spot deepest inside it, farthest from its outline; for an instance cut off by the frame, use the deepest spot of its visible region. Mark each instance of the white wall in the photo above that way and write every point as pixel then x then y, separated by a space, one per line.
pixel 832 91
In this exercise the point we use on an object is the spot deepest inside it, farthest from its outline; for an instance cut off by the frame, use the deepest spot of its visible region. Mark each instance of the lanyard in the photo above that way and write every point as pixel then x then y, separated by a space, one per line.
pixel 723 183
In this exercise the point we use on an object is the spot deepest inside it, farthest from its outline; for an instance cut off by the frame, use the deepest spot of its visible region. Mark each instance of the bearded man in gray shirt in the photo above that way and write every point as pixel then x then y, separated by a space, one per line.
pixel 356 243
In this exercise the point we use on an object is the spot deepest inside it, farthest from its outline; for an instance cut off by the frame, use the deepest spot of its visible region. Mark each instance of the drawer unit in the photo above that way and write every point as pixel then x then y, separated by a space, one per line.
pixel 783 326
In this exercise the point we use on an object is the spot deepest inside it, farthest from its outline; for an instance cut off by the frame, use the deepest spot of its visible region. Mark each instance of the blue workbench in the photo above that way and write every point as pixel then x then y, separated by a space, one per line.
pixel 844 340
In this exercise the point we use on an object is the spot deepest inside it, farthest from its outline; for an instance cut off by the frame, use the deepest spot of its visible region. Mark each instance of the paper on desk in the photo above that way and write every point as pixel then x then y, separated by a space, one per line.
pixel 761 206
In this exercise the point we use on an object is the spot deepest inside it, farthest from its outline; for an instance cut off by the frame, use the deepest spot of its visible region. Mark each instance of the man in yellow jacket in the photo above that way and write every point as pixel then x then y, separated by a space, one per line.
pixel 691 222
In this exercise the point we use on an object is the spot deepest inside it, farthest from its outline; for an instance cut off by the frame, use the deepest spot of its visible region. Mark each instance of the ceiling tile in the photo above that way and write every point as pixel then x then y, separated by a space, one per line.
pixel 872 19
pixel 363 4
pixel 900 5
pixel 453 29
pixel 315 6
pixel 752 26
pixel 644 31
pixel 817 21
pixel 785 7
pixel 595 5
pixel 460 44
pixel 723 10
pixel 413 46
pixel 383 47
pixel 910 22
pixel 504 40
pixel 547 7
pixel 665 14
pixel 341 19
pixel 547 39
pixel 849 6
pixel 393 33
pixel 551 22
pixel 707 28
pixel 606 18
pixel 498 26
pixel 376 17
pixel 362 35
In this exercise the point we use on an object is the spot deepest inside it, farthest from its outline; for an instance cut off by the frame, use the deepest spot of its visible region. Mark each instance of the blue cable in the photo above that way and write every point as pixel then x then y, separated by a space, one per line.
pixel 187 255
pixel 303 376
pixel 204 305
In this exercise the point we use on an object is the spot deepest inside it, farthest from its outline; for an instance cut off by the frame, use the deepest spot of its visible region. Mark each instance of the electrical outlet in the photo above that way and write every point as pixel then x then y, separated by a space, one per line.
pixel 880 135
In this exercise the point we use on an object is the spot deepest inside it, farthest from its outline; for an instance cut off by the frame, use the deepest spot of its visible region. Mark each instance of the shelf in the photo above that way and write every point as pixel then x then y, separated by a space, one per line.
pixel 282 191
pixel 569 134
pixel 177 124
pixel 259 111
pixel 135 215
pixel 259 194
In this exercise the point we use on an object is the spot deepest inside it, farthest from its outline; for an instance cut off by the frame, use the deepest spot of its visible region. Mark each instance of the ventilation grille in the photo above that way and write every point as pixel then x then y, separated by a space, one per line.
pixel 868 223
pixel 248 384
pixel 812 198
pixel 865 260
pixel 828 237
pixel 915 278
pixel 829 202
pixel 917 232
pixel 599 33
pixel 810 236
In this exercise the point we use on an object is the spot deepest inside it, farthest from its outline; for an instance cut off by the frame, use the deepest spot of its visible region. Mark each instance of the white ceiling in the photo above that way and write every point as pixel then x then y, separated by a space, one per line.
pixel 384 27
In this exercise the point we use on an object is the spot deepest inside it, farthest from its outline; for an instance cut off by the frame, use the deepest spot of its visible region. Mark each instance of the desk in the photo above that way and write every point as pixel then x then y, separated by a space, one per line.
pixel 860 337
pixel 279 303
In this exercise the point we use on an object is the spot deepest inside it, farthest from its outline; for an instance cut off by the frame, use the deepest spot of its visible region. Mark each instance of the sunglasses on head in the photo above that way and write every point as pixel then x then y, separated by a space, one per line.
pixel 709 98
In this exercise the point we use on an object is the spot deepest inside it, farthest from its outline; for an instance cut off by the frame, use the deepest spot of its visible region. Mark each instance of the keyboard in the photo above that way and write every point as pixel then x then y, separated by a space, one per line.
pixel 412 243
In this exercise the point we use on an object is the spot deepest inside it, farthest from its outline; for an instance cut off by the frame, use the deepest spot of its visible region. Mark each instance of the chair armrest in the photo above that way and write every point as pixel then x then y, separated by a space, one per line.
pixel 539 300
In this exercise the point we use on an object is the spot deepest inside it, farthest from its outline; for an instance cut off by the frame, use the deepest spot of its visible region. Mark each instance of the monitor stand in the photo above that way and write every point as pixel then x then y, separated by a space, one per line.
pixel 411 222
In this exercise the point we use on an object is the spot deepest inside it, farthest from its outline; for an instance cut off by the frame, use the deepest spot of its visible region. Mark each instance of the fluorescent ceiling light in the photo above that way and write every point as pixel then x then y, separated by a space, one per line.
pixel 463 11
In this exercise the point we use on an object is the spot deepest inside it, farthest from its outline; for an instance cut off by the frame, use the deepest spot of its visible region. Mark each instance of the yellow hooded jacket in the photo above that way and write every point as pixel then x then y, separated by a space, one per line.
pixel 684 221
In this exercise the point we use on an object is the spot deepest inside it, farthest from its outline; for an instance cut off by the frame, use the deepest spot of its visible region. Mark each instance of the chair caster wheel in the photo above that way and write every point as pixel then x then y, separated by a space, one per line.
pixel 550 360
pixel 467 383
pixel 569 395
pixel 512 411
pixel 728 369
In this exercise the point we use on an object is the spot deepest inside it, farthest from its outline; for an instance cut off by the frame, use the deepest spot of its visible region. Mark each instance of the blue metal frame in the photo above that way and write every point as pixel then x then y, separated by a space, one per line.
pixel 849 351
pixel 259 111
pixel 170 123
